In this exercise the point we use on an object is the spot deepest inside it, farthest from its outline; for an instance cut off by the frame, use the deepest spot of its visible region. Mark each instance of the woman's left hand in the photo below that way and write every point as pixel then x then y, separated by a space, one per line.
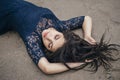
pixel 90 39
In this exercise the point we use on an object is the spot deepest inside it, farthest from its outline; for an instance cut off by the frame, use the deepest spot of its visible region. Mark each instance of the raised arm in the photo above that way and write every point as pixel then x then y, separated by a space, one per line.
pixel 87 29
pixel 52 68
pixel 73 23
pixel 84 22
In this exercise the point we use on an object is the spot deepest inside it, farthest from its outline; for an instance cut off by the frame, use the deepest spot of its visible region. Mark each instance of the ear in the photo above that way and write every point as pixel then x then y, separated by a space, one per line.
pixel 88 60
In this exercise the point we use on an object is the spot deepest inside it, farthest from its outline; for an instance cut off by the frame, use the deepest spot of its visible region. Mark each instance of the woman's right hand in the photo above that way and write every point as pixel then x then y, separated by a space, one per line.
pixel 90 39
pixel 87 28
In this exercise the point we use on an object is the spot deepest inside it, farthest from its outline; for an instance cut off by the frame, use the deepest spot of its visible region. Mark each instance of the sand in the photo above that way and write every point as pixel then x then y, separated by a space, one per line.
pixel 15 63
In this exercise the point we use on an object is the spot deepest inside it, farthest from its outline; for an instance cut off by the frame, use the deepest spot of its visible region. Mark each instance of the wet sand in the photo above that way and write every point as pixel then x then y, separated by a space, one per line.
pixel 15 63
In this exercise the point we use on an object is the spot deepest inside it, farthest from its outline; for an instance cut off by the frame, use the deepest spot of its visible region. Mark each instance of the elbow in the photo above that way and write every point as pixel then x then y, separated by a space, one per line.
pixel 45 66
pixel 88 18
pixel 87 22
pixel 46 69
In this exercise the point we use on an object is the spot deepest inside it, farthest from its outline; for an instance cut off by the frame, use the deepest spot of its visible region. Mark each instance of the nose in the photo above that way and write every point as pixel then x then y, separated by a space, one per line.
pixel 50 36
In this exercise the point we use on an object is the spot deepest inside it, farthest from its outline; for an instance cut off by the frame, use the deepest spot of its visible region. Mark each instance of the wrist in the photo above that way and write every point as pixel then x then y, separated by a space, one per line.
pixel 90 39
pixel 86 36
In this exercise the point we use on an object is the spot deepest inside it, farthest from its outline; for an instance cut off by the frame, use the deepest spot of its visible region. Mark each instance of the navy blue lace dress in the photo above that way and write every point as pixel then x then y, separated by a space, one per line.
pixel 29 21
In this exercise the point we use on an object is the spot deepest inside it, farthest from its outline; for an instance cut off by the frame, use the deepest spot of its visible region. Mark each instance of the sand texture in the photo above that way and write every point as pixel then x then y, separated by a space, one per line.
pixel 15 63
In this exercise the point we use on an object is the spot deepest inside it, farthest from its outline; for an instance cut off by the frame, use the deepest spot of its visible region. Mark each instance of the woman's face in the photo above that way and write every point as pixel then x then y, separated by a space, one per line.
pixel 52 39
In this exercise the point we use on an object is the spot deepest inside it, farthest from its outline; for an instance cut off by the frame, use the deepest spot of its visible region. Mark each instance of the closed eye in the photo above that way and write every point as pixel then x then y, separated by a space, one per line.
pixel 57 37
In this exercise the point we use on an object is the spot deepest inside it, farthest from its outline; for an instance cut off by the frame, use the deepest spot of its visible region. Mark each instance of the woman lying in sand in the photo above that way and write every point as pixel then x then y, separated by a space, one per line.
pixel 50 42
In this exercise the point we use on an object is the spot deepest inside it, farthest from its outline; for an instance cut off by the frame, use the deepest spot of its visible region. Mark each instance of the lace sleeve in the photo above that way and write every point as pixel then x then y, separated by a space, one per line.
pixel 34 48
pixel 73 23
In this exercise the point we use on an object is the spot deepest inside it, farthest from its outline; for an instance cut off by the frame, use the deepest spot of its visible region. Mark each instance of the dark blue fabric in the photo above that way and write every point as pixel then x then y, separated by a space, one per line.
pixel 29 21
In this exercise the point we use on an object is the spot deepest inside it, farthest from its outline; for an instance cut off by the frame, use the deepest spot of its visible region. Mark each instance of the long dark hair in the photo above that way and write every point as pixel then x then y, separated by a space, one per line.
pixel 77 49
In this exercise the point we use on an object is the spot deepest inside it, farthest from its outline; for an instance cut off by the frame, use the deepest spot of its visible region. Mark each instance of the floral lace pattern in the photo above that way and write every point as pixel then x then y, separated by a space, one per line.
pixel 44 24
pixel 34 47
pixel 73 23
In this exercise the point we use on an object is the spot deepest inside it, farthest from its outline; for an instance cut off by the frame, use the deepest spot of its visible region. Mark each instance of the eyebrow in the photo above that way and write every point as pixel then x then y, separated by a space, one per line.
pixel 49 44
pixel 52 45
